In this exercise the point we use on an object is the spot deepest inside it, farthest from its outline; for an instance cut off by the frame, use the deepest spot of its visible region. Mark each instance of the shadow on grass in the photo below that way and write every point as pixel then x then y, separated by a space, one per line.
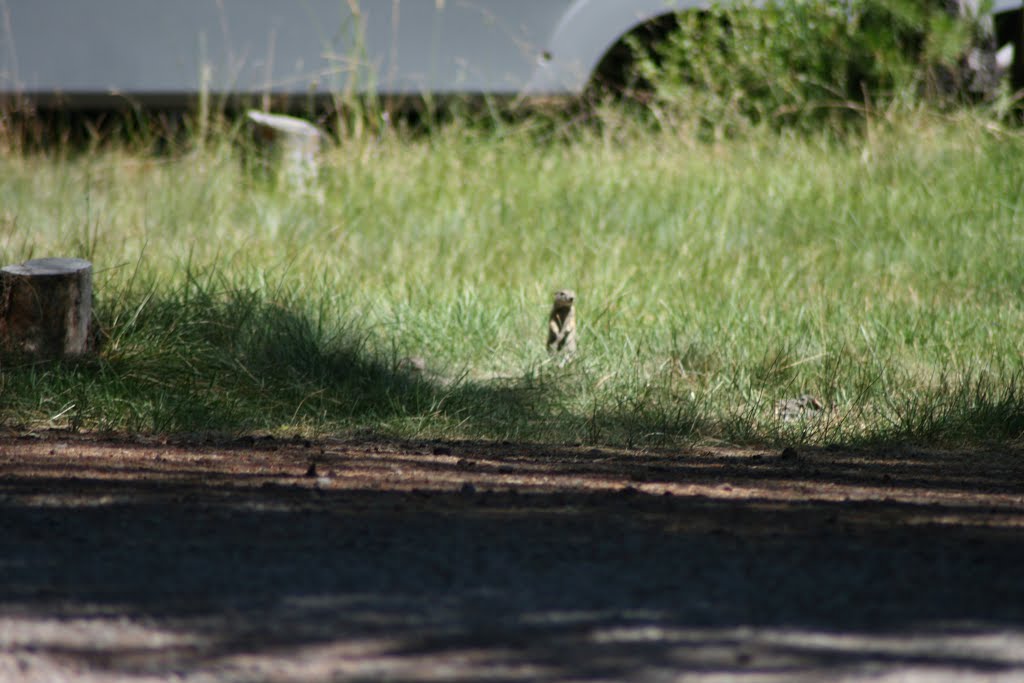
pixel 202 360
pixel 969 409
pixel 207 571
pixel 235 363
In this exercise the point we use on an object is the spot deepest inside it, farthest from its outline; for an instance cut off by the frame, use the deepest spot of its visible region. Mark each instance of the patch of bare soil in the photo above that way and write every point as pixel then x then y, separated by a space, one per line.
pixel 263 559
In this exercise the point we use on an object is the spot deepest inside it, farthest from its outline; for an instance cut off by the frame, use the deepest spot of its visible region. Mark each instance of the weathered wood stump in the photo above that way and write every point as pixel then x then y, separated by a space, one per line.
pixel 287 147
pixel 46 308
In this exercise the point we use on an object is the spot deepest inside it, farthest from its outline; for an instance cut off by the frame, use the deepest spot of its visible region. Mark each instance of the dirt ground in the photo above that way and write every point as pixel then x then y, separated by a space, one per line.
pixel 261 559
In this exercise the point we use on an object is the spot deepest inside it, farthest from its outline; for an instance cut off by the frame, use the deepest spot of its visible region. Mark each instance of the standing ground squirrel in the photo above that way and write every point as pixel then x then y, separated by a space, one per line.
pixel 562 323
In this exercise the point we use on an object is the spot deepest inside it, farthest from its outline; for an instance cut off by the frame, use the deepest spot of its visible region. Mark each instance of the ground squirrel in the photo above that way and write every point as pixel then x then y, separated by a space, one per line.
pixel 562 323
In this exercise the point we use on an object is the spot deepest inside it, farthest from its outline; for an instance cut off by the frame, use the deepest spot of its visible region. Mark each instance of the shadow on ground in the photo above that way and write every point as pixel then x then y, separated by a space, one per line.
pixel 416 562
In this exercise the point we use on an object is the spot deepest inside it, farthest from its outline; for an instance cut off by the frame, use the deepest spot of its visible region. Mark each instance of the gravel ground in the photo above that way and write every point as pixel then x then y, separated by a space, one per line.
pixel 268 560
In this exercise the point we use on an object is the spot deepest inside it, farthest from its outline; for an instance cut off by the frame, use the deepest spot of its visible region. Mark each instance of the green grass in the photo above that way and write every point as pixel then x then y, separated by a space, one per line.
pixel 881 272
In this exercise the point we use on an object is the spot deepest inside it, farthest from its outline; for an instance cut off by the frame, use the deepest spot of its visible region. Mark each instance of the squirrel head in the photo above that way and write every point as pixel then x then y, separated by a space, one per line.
pixel 564 298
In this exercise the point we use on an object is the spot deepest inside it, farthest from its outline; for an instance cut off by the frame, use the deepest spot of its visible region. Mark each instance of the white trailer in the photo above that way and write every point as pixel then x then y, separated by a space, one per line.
pixel 86 53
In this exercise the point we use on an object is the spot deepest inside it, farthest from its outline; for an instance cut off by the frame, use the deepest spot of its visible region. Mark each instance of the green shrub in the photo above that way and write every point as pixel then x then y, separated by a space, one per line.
pixel 801 62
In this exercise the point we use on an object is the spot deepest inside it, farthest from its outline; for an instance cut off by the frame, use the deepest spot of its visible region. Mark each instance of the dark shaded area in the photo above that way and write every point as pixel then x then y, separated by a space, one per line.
pixel 172 127
pixel 213 358
pixel 595 584
pixel 616 73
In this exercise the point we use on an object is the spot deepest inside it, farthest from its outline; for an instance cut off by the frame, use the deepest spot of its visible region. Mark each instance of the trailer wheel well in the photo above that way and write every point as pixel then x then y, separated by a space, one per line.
pixel 616 73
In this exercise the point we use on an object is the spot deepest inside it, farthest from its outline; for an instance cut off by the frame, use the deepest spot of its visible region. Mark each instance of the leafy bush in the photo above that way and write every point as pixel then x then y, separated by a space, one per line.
pixel 802 61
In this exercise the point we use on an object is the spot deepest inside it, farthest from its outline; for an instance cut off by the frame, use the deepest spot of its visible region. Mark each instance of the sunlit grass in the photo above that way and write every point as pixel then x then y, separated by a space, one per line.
pixel 881 272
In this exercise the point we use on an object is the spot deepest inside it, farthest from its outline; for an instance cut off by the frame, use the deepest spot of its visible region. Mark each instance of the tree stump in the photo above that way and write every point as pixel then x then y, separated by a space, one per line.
pixel 46 308
pixel 287 147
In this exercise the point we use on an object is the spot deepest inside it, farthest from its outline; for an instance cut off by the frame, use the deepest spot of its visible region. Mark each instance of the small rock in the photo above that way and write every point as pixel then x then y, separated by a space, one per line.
pixel 790 409
pixel 414 364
